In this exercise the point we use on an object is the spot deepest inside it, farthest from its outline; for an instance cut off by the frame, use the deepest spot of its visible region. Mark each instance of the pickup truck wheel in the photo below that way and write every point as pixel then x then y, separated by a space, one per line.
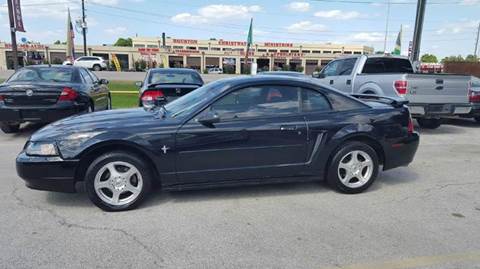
pixel 354 167
pixel 10 128
pixel 97 67
pixel 429 123
pixel 477 119
pixel 118 181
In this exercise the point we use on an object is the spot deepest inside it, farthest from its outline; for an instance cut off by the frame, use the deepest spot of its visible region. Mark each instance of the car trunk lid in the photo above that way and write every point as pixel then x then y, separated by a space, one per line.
pixel 30 95
pixel 173 91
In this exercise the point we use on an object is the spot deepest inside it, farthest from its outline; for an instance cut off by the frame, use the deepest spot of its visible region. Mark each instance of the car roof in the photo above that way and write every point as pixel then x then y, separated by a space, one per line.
pixel 285 73
pixel 173 70
pixel 53 66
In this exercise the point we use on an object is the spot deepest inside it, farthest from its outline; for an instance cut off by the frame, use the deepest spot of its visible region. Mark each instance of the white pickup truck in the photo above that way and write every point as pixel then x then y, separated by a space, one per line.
pixel 431 96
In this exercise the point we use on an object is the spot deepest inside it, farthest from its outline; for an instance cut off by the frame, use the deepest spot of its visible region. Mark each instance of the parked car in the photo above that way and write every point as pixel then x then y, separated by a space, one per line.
pixel 91 62
pixel 215 70
pixel 47 93
pixel 237 131
pixel 431 96
pixel 284 73
pixel 167 84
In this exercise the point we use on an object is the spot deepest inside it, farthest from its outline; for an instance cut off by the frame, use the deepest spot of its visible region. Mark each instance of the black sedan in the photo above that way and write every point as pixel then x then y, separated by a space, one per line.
pixel 167 84
pixel 48 93
pixel 248 130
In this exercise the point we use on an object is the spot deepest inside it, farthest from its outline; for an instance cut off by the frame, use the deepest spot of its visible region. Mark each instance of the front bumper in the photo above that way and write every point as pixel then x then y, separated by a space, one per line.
pixel 47 173
pixel 401 153
pixel 39 114
pixel 438 110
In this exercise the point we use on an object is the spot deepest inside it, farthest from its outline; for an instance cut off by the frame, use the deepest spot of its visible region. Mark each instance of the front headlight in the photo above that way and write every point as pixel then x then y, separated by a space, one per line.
pixel 41 149
pixel 73 142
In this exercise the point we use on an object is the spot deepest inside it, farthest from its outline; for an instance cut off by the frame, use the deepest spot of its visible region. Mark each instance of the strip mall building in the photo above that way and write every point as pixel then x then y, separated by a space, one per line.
pixel 197 54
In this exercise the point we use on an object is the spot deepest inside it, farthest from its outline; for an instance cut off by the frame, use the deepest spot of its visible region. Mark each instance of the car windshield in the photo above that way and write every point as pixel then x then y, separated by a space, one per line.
pixel 174 77
pixel 189 102
pixel 43 74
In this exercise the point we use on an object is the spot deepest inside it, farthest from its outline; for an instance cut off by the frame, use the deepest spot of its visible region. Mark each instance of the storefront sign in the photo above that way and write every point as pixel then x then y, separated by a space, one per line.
pixel 231 43
pixel 17 15
pixel 186 52
pixel 285 54
pixel 271 44
pixel 26 46
pixel 185 41
pixel 148 51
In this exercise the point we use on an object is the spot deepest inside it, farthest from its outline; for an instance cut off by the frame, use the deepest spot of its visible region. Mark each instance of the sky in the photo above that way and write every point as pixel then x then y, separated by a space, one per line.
pixel 450 26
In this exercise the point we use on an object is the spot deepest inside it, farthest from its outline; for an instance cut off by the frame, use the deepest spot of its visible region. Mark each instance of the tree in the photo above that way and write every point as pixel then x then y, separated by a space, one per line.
pixel 58 42
pixel 471 58
pixel 458 58
pixel 124 42
pixel 429 58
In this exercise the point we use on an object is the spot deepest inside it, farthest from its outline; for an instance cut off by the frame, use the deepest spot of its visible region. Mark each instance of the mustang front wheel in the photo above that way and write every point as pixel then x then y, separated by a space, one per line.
pixel 354 168
pixel 117 181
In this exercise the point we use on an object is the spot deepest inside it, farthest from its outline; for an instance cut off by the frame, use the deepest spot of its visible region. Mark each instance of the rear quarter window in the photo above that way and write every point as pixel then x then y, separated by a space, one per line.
pixel 344 103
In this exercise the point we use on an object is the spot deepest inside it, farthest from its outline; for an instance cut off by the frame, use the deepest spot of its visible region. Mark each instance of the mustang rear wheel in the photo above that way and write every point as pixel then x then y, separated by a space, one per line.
pixel 9 128
pixel 354 168
pixel 118 181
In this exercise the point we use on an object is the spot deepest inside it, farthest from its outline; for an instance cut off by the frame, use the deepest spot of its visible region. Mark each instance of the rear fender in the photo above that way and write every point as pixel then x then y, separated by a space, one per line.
pixel 370 87
pixel 349 132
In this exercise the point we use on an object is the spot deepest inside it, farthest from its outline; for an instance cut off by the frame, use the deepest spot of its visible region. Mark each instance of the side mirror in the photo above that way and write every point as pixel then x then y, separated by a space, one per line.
pixel 318 75
pixel 104 81
pixel 209 119
pixel 139 84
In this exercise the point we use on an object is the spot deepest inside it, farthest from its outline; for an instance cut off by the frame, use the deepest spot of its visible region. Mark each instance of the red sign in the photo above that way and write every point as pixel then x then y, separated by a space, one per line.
pixel 285 54
pixel 148 51
pixel 231 43
pixel 186 52
pixel 26 46
pixel 17 15
pixel 271 44
pixel 185 41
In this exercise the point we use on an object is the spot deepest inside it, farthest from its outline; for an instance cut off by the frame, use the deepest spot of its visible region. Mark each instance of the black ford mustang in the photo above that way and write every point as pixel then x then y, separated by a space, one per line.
pixel 47 93
pixel 247 130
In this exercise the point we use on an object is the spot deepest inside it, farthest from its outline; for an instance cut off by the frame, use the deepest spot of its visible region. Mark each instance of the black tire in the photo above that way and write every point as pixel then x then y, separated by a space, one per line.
pixel 333 176
pixel 97 68
pixel 429 123
pixel 10 128
pixel 116 157
pixel 477 119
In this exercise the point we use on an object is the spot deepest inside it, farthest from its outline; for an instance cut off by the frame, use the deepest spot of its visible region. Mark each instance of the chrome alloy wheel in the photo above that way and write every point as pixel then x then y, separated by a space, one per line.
pixel 118 183
pixel 355 169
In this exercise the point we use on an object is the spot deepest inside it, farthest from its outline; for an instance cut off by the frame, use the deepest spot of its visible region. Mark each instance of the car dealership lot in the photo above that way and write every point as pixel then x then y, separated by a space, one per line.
pixel 425 216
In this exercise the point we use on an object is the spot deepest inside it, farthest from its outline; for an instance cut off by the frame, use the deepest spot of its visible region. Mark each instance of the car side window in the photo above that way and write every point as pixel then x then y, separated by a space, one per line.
pixel 314 101
pixel 86 77
pixel 93 76
pixel 331 68
pixel 260 101
pixel 346 67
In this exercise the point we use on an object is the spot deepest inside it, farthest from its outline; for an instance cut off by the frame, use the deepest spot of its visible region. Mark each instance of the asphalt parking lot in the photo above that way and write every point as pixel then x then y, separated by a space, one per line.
pixel 423 216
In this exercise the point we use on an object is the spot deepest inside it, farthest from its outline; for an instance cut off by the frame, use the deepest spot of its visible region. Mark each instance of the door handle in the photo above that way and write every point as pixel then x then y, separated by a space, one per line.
pixel 349 81
pixel 331 81
pixel 288 127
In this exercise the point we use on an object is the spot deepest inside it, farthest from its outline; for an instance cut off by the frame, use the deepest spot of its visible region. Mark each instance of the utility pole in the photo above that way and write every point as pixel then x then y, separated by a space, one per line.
pixel 13 34
pixel 417 34
pixel 476 43
pixel 386 27
pixel 84 29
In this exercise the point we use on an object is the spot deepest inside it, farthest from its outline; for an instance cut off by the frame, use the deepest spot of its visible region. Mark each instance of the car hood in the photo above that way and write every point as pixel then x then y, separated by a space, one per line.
pixel 121 120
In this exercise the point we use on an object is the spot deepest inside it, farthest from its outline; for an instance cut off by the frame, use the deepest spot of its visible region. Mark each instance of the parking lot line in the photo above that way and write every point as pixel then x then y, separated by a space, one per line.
pixel 416 261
